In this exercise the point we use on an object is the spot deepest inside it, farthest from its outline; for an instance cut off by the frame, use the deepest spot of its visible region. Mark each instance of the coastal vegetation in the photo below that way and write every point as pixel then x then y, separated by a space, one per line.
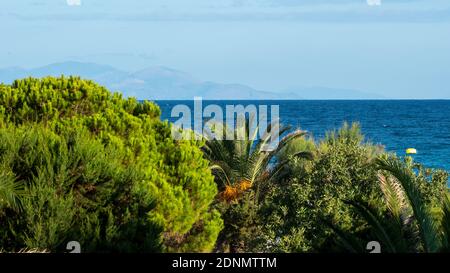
pixel 79 163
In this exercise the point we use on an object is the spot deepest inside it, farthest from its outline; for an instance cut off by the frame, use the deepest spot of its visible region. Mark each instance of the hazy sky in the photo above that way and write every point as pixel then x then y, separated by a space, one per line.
pixel 397 49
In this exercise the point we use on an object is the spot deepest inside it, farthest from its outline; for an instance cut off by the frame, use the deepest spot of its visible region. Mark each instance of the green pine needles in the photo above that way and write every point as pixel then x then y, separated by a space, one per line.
pixel 79 163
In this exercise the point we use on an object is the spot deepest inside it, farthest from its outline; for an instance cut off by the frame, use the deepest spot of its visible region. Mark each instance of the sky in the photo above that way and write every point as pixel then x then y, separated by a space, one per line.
pixel 394 48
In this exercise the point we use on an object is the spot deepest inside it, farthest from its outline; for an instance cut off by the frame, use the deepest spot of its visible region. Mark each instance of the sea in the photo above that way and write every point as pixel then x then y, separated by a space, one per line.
pixel 396 124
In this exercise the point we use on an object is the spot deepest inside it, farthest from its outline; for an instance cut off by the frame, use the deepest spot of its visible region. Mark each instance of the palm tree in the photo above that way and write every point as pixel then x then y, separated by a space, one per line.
pixel 245 162
pixel 409 225
pixel 244 167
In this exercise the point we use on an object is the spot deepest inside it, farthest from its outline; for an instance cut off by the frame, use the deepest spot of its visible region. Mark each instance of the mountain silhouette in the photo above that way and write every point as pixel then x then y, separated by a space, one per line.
pixel 164 83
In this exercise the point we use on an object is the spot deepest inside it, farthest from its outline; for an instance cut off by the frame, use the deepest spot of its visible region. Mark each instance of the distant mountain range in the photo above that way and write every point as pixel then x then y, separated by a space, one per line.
pixel 163 83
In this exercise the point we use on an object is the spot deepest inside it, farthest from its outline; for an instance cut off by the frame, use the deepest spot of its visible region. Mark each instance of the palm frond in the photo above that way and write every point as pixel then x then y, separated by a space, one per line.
pixel 220 171
pixel 405 176
pixel 446 224
pixel 281 165
pixel 393 194
pixel 346 240
pixel 244 157
pixel 377 224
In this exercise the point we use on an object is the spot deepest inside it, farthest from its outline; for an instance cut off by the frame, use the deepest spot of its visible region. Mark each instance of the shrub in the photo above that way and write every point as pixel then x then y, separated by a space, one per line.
pixel 172 173
pixel 297 208
pixel 407 223
pixel 76 189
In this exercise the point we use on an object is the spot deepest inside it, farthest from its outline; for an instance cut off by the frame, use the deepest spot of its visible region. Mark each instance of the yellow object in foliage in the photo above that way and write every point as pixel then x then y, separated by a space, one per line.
pixel 231 193
pixel 245 185
pixel 411 151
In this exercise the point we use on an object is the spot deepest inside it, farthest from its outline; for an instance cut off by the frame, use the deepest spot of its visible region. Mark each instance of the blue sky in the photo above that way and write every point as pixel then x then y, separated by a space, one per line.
pixel 397 49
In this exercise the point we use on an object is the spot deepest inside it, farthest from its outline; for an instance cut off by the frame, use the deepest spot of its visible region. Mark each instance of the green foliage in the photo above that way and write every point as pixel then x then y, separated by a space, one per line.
pixel 295 146
pixel 244 158
pixel 74 189
pixel 241 223
pixel 78 163
pixel 420 210
pixel 341 193
pixel 10 190
pixel 243 171
pixel 408 224
pixel 172 174
pixel 311 194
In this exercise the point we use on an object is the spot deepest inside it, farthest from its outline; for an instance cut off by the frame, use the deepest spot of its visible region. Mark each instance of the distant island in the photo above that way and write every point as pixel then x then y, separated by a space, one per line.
pixel 163 83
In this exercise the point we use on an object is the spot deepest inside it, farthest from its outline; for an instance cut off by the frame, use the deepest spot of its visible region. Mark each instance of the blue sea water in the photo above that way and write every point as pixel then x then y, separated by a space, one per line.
pixel 396 124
